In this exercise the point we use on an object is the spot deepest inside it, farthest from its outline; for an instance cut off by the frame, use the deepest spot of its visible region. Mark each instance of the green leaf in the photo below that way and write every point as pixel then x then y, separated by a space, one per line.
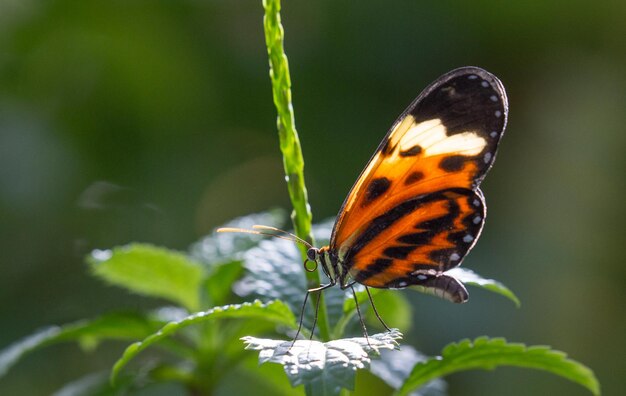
pixel 275 312
pixel 220 281
pixel 150 380
pixel 151 271
pixel 471 278
pixel 14 352
pixel 487 354
pixel 323 368
pixel 394 367
pixel 89 333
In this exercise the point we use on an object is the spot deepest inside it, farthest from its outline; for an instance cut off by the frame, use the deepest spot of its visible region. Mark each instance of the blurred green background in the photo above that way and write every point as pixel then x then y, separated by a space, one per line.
pixel 153 121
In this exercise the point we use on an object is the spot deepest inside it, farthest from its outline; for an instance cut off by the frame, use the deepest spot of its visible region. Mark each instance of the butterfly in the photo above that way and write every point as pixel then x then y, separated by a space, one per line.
pixel 416 210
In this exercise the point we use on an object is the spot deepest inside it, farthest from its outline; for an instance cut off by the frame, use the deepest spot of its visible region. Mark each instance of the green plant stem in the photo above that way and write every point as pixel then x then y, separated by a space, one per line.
pixel 293 162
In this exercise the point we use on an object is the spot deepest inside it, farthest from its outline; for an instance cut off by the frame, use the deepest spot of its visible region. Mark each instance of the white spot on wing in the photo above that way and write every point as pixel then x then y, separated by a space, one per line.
pixel 487 158
pixel 493 98
pixel 472 77
pixel 498 113
pixel 493 134
pixel 455 257
pixel 432 137
pixel 484 84
pixel 468 238
pixel 466 143
pixel 477 219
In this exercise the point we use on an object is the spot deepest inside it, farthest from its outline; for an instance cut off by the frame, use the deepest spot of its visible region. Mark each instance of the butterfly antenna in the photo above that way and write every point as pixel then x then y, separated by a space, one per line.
pixel 276 232
pixel 287 236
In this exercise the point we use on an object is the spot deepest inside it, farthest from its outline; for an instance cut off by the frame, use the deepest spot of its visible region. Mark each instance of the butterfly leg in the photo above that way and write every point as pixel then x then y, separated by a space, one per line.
pixel 317 309
pixel 358 311
pixel 375 310
pixel 306 297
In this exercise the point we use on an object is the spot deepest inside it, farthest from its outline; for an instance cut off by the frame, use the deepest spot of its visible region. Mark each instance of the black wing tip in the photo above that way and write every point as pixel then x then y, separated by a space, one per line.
pixel 477 71
pixel 496 85
pixel 468 71
pixel 473 70
pixel 495 82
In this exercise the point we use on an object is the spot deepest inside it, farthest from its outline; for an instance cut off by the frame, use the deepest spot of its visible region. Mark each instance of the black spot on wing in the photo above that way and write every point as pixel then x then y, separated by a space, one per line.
pixel 376 188
pixel 413 177
pixel 452 163
pixel 413 151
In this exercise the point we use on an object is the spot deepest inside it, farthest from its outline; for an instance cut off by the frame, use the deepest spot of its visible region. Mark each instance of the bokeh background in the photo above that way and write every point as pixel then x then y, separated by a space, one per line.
pixel 153 121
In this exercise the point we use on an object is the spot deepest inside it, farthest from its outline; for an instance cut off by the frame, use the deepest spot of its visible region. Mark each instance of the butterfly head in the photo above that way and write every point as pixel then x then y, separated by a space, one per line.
pixel 322 258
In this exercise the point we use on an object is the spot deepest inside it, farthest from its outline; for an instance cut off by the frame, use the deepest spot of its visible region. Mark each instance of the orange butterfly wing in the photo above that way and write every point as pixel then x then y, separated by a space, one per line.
pixel 416 210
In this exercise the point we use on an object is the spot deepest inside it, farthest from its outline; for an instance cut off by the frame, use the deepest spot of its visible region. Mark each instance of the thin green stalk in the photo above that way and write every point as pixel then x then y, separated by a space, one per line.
pixel 293 162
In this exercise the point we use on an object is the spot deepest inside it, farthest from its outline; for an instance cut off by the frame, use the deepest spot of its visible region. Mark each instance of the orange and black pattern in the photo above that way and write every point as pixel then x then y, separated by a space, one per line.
pixel 417 210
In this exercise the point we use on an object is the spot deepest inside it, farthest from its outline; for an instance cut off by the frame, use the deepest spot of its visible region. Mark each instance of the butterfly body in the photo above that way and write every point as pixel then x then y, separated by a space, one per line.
pixel 416 210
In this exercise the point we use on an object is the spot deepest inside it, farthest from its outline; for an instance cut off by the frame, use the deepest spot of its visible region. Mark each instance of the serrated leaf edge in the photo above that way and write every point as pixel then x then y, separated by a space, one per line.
pixel 586 377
